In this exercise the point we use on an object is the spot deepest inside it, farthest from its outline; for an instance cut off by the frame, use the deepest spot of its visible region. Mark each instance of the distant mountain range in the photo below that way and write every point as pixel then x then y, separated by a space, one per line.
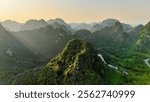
pixel 11 25
pixel 35 24
pixel 98 26
pixel 54 52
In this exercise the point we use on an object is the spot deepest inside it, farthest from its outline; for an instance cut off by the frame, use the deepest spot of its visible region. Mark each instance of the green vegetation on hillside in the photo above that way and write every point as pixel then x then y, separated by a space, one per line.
pixel 78 63
pixel 51 55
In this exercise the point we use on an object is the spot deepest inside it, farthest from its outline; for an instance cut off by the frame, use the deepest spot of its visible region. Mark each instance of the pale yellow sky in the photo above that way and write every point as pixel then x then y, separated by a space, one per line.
pixel 129 11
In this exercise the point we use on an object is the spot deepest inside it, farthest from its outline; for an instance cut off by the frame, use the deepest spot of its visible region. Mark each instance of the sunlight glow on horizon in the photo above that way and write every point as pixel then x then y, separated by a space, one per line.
pixel 128 11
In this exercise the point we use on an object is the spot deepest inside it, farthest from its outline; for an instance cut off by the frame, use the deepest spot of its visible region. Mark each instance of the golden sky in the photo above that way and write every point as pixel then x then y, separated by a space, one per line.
pixel 128 11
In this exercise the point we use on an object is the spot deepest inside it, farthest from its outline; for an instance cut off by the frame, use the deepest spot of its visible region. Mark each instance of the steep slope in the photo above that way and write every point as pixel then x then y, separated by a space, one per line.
pixel 63 27
pixel 14 56
pixel 123 39
pixel 143 43
pixel 76 64
pixel 44 42
pixel 59 23
pixel 135 31
pixel 138 28
pixel 9 41
pixel 84 34
pixel 34 24
pixel 113 43
pixel 11 25
pixel 113 36
pixel 110 23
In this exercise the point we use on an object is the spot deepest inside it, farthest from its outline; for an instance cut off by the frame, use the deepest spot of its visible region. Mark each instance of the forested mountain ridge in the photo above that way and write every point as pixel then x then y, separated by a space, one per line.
pixel 77 63
pixel 56 54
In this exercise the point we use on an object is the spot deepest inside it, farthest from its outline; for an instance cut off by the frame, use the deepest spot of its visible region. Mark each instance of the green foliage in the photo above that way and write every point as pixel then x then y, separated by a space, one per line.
pixel 30 49
pixel 76 64
pixel 143 43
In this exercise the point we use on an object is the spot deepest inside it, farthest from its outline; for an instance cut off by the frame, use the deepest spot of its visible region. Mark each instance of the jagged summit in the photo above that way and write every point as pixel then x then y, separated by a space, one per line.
pixel 11 25
pixel 59 23
pixel 109 22
pixel 57 20
pixel 34 24
pixel 76 64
